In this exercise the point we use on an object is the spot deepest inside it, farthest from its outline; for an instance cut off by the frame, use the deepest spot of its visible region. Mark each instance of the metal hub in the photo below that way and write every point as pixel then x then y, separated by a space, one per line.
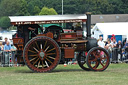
pixel 42 54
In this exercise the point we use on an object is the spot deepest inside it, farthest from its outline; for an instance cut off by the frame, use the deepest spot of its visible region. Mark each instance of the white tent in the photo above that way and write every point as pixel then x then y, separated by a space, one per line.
pixel 119 28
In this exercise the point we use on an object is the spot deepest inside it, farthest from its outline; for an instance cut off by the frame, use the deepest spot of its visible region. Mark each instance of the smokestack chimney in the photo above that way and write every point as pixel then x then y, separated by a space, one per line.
pixel 88 24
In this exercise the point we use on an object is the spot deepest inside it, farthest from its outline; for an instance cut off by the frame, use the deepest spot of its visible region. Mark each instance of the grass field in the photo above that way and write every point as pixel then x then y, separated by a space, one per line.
pixel 116 74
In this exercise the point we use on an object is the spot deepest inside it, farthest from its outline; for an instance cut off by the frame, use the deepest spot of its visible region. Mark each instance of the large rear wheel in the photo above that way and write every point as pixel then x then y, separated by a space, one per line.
pixel 41 54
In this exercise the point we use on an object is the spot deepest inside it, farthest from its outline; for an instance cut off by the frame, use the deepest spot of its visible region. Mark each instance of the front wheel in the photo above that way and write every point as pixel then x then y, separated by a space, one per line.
pixel 41 54
pixel 98 59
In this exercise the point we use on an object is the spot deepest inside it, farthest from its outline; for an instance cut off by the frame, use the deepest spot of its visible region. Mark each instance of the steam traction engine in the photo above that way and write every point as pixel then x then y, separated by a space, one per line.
pixel 43 52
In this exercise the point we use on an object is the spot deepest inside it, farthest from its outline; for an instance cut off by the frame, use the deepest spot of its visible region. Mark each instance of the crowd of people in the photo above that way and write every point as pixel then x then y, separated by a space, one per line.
pixel 6 46
pixel 115 48
pixel 5 49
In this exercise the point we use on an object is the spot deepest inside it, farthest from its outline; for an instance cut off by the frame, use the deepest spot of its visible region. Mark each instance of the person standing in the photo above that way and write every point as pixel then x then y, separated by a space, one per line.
pixel 113 38
pixel 119 49
pixel 126 49
pixel 6 39
pixel 7 47
pixel 1 46
pixel 113 43
pixel 101 43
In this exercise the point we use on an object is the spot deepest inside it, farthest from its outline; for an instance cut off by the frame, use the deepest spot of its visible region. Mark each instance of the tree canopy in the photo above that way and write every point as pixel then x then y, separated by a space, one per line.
pixel 50 7
pixel 4 22
pixel 34 7
pixel 47 11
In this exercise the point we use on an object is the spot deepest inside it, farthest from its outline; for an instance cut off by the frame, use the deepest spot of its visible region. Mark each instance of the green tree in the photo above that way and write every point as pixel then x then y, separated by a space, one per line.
pixel 52 11
pixel 9 7
pixel 23 9
pixel 124 6
pixel 116 6
pixel 13 7
pixel 33 6
pixel 36 10
pixel 5 22
pixel 47 11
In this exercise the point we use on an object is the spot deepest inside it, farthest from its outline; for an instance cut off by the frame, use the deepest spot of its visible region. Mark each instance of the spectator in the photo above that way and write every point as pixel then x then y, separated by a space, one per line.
pixel 7 47
pixel 113 43
pixel 119 47
pixel 126 45
pixel 113 38
pixel 6 39
pixel 101 43
pixel 13 48
pixel 109 46
pixel 123 55
pixel 13 55
pixel 1 46
pixel 108 40
pixel 124 41
pixel 126 49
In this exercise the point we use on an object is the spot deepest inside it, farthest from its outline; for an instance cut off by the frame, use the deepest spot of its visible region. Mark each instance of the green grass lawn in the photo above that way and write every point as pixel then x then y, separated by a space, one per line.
pixel 116 74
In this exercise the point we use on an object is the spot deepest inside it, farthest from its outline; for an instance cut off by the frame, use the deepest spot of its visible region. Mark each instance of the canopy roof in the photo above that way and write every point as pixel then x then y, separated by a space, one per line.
pixel 47 19
pixel 119 28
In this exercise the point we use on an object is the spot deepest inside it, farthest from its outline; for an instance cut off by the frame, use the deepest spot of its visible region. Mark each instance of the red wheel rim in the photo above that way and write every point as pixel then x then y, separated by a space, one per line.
pixel 98 59
pixel 42 54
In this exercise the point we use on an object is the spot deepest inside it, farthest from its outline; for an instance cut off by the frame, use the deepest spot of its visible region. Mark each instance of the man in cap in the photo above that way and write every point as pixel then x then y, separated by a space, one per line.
pixel 113 37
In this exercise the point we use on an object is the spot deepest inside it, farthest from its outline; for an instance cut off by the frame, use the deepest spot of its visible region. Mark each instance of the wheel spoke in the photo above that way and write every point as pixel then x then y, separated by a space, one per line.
pixel 46 64
pixel 42 64
pixel 33 55
pixel 38 64
pixel 35 61
pixel 37 45
pixel 46 49
pixel 32 51
pixel 51 57
pixel 50 53
pixel 94 53
pixel 40 46
pixel 45 44
pixel 48 60
pixel 101 63
pixel 92 59
pixel 36 49
pixel 51 50
pixel 96 65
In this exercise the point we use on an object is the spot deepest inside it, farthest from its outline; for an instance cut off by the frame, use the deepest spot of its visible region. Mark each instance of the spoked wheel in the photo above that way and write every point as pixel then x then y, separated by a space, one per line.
pixel 98 59
pixel 81 59
pixel 41 54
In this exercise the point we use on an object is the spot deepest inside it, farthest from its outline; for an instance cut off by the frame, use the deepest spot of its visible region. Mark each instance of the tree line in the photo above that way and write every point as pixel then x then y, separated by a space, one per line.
pixel 51 7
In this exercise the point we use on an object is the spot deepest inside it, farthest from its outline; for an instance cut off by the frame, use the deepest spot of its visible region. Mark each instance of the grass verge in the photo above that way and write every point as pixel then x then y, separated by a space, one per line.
pixel 115 74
